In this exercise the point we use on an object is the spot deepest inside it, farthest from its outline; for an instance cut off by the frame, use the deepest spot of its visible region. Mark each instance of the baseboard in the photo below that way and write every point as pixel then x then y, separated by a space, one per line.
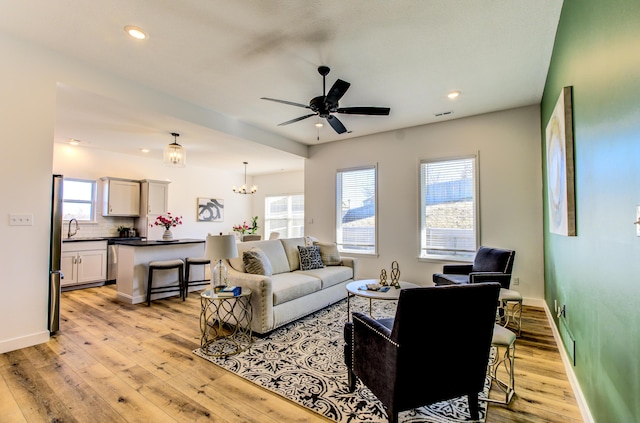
pixel 568 366
pixel 24 341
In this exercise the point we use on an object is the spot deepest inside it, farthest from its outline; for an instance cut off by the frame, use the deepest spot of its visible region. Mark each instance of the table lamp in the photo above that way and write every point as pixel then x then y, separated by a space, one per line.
pixel 220 247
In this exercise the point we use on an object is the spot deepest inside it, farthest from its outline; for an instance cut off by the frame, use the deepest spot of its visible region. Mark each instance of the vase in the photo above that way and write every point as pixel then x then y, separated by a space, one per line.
pixel 167 235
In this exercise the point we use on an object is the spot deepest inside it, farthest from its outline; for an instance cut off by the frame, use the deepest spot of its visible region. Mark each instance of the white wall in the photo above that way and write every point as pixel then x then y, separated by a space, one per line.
pixel 508 144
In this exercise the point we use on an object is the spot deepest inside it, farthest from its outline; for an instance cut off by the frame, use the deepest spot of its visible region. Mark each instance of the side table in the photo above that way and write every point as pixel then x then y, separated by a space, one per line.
pixel 353 289
pixel 225 323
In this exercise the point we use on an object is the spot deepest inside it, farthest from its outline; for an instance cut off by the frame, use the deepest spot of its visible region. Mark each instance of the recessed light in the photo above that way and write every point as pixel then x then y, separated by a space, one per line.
pixel 135 32
pixel 453 94
pixel 145 150
pixel 74 141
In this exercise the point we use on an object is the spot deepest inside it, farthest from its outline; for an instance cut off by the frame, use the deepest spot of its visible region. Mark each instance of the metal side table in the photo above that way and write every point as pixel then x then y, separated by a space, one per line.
pixel 225 323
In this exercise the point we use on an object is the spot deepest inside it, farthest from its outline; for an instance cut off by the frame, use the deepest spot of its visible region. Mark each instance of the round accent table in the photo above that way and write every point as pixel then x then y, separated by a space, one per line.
pixel 225 323
pixel 353 288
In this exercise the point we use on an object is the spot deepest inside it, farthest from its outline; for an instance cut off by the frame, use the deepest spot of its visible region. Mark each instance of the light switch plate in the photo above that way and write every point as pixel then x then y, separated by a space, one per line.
pixel 16 219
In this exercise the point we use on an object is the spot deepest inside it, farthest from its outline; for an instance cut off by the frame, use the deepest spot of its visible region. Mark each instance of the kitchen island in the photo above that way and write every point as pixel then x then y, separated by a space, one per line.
pixel 133 266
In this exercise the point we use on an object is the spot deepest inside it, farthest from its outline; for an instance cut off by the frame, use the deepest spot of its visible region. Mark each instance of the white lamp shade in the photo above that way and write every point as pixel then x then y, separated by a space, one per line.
pixel 221 247
pixel 174 155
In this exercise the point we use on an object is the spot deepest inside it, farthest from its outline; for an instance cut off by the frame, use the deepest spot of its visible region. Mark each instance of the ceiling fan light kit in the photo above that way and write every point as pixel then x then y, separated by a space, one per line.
pixel 243 189
pixel 327 104
pixel 174 154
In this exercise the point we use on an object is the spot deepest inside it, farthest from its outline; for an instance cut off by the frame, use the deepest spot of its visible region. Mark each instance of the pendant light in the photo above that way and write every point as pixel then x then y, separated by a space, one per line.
pixel 243 188
pixel 174 154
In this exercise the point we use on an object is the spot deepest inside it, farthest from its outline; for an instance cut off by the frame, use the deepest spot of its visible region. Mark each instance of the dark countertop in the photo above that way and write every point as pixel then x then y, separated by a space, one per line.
pixel 101 238
pixel 155 243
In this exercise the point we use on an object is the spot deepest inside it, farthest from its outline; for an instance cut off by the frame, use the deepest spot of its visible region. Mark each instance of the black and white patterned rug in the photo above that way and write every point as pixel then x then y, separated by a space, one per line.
pixel 304 362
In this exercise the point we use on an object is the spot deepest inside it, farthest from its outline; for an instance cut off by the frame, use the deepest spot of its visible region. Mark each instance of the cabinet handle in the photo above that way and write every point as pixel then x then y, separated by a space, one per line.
pixel 79 260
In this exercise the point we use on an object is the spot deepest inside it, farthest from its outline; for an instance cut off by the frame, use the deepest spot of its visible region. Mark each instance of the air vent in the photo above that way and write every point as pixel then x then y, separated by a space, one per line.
pixel 443 113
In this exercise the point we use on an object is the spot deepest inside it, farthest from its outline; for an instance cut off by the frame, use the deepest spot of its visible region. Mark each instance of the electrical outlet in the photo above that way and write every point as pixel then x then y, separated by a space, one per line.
pixel 16 219
pixel 515 281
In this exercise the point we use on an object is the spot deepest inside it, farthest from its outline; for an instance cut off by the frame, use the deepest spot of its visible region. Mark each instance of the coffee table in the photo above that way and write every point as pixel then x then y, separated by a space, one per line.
pixel 353 288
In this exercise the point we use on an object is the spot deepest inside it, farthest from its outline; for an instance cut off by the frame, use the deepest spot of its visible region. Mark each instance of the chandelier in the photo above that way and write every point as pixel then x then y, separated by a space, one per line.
pixel 174 154
pixel 243 188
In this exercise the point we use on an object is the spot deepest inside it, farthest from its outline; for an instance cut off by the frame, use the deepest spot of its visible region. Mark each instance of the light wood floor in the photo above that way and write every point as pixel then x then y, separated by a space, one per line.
pixel 113 362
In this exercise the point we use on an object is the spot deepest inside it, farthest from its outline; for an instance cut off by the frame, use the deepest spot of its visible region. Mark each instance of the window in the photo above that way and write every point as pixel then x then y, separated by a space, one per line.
pixel 78 200
pixel 356 204
pixel 448 209
pixel 284 214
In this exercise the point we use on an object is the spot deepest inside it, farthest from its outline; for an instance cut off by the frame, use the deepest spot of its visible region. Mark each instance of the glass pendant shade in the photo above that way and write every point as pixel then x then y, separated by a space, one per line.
pixel 174 154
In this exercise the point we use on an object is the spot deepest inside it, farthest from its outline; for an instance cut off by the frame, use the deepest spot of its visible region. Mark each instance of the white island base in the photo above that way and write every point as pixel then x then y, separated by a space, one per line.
pixel 133 267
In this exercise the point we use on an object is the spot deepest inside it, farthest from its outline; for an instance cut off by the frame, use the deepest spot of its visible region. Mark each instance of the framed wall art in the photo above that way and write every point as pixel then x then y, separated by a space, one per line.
pixel 560 171
pixel 210 210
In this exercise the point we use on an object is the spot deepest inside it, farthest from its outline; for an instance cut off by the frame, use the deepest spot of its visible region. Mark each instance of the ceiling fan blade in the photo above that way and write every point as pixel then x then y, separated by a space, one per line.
pixel 290 103
pixel 378 111
pixel 337 91
pixel 336 124
pixel 296 119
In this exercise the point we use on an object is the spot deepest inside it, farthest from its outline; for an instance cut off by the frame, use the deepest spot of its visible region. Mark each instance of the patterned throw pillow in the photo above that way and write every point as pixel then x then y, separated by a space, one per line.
pixel 256 262
pixel 310 257
pixel 329 253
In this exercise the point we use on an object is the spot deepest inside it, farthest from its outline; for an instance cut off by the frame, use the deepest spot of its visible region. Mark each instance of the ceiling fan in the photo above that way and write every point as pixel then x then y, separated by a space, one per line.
pixel 327 103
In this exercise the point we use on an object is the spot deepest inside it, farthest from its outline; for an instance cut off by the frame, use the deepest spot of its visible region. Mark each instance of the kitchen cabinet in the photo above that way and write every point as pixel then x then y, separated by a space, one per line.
pixel 83 262
pixel 121 197
pixel 154 201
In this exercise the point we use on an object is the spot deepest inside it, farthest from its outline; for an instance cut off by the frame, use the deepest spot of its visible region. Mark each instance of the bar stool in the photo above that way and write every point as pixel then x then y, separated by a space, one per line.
pixel 503 339
pixel 165 265
pixel 511 303
pixel 194 261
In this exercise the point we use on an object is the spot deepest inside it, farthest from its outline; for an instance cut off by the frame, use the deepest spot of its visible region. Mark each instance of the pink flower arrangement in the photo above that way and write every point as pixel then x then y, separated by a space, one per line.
pixel 168 221
pixel 243 229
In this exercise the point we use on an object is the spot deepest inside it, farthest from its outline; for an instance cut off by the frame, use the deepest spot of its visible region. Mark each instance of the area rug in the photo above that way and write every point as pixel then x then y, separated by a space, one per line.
pixel 304 362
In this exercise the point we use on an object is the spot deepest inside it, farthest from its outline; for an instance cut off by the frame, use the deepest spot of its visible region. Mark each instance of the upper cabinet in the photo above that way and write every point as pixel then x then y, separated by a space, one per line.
pixel 154 197
pixel 154 201
pixel 121 197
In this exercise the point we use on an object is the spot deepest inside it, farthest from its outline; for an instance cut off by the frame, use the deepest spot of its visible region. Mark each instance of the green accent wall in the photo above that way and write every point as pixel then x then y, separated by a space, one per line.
pixel 597 273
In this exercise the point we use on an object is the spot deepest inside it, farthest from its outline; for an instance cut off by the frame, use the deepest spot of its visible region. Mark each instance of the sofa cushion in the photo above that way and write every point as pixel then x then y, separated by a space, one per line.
pixel 273 249
pixel 310 257
pixel 291 285
pixel 330 275
pixel 256 262
pixel 329 253
pixel 291 250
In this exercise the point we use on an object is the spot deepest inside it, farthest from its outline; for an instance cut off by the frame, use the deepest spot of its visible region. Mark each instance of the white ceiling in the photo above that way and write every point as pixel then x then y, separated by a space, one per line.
pixel 224 55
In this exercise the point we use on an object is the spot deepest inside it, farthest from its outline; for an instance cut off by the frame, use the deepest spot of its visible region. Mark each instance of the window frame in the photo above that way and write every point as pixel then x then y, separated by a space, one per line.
pixel 373 251
pixel 93 202
pixel 290 218
pixel 459 255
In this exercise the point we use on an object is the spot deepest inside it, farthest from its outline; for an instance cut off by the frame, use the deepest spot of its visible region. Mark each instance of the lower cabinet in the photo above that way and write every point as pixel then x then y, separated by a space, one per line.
pixel 83 262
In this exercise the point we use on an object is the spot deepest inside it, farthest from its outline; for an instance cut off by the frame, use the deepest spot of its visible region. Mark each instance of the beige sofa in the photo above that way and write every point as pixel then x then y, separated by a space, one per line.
pixel 289 293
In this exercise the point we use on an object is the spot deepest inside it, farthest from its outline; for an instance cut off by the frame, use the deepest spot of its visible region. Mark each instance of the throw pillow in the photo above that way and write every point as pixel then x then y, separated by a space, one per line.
pixel 329 253
pixel 310 257
pixel 256 262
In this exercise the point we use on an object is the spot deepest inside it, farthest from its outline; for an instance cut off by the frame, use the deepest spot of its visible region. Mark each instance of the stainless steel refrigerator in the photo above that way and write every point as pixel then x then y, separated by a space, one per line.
pixel 55 251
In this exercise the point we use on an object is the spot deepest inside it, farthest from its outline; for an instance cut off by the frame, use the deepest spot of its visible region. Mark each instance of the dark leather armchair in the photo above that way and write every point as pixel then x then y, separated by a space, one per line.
pixel 425 354
pixel 489 265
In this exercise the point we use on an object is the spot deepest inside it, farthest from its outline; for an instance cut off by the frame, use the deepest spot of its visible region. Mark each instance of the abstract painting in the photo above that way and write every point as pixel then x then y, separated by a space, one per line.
pixel 210 210
pixel 560 176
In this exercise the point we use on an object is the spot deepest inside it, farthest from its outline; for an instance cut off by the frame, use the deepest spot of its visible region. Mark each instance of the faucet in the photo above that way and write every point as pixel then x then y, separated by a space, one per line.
pixel 70 234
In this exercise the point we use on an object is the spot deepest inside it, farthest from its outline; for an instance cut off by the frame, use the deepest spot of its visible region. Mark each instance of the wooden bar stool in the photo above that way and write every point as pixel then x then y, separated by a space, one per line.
pixel 504 341
pixel 165 265
pixel 194 261
pixel 510 302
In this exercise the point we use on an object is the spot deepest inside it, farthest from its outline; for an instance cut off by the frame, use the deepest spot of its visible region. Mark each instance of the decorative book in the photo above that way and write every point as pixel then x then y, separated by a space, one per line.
pixel 229 291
